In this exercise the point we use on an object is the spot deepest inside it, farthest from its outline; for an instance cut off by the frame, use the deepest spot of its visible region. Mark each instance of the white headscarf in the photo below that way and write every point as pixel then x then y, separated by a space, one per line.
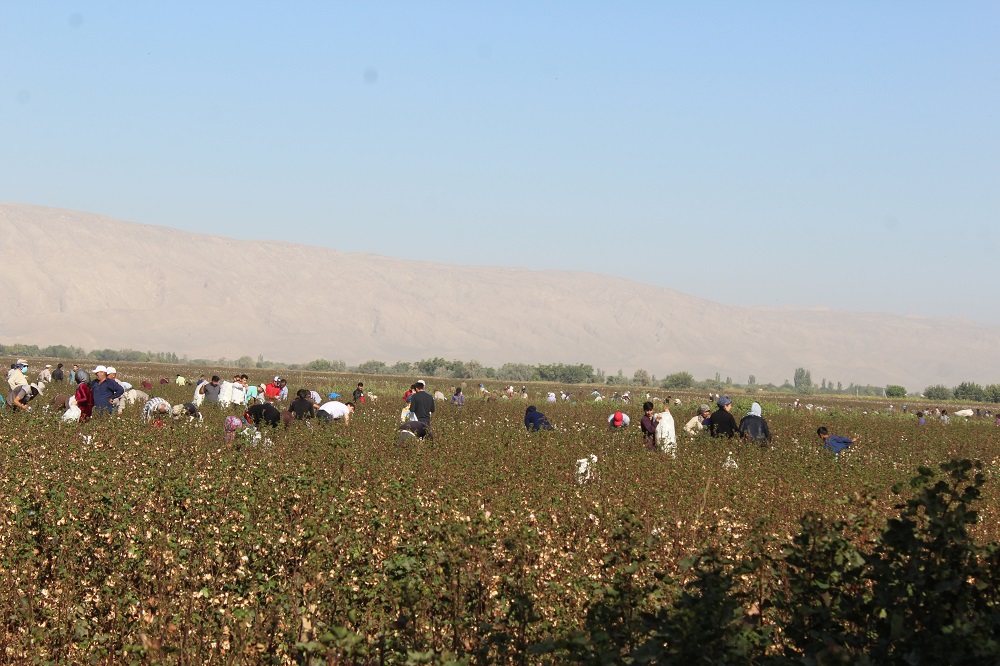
pixel 754 409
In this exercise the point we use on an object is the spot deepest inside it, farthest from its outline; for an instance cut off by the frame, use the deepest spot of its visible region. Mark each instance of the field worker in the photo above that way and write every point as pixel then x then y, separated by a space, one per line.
pixel 699 421
pixel 58 375
pixel 283 393
pixel 211 390
pixel 180 381
pixel 22 395
pixel 155 408
pixel 252 391
pixel 648 426
pixel 666 432
pixel 618 420
pixel 409 393
pixel 113 374
pixel 105 390
pixel 534 420
pixel 524 392
pixel 316 398
pixel 412 429
pixel 84 401
pixel 188 409
pixel 834 443
pixel 302 407
pixel 231 425
pixel 723 422
pixel 198 397
pixel 753 427
pixel 359 393
pixel 551 396
pixel 15 376
pixel 458 398
pixel 45 375
pixel 335 411
pixel 422 403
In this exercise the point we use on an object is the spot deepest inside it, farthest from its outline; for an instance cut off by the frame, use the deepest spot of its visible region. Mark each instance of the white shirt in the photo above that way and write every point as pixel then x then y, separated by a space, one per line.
pixel 335 409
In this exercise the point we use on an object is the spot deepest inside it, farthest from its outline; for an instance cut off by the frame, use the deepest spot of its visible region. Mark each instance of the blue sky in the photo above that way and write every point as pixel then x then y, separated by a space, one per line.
pixel 779 153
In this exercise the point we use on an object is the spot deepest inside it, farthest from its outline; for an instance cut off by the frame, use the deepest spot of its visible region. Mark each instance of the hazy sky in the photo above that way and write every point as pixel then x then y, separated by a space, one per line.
pixel 762 153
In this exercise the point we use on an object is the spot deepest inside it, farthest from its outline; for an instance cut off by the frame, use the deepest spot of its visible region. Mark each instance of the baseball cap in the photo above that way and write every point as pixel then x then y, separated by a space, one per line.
pixel 421 383
pixel 618 418
pixel 723 401
pixel 100 368
pixel 111 370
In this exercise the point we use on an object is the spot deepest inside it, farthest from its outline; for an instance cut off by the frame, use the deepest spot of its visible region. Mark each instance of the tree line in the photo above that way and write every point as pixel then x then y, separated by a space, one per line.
pixel 562 373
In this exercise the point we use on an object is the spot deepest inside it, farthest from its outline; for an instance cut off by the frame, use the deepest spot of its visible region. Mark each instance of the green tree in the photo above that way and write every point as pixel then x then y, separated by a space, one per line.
pixel 895 391
pixel 678 380
pixel 641 378
pixel 803 380
pixel 938 392
pixel 518 372
pixel 969 391
pixel 372 367
pixel 992 393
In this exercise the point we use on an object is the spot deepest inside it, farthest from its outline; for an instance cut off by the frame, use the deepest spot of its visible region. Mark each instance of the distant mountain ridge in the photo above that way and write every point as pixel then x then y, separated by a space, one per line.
pixel 96 282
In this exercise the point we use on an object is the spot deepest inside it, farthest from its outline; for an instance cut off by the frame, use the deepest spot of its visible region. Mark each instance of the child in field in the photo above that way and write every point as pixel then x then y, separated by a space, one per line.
pixel 835 443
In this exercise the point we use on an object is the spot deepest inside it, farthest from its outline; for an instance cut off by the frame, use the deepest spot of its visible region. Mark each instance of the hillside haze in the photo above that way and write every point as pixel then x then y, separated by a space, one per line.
pixel 96 282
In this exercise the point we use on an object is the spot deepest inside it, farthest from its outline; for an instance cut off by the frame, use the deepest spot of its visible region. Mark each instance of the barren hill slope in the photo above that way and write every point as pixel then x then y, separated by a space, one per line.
pixel 96 282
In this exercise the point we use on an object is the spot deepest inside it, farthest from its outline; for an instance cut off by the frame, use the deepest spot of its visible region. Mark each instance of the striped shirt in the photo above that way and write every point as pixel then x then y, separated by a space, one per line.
pixel 152 407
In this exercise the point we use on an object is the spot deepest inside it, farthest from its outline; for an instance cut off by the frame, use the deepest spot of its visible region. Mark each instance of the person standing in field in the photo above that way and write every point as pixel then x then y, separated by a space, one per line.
pixel 723 422
pixel 57 374
pixel 359 393
pixel 105 391
pixel 422 403
pixel 84 400
pixel 648 425
pixel 458 398
pixel 45 375
pixel 753 427
pixel 211 390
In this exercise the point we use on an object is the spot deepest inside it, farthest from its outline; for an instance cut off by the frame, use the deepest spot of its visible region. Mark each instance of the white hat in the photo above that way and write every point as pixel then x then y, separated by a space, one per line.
pixel 48 365
pixel 111 370
pixel 38 389
pixel 100 368
pixel 421 383
pixel 21 361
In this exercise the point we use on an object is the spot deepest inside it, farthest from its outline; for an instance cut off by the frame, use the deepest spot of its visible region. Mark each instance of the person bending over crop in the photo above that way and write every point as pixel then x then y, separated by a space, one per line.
pixel 534 420
pixel 835 443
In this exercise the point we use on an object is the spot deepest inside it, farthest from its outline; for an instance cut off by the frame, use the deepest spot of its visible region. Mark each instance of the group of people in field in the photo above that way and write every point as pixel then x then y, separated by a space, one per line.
pixel 100 391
